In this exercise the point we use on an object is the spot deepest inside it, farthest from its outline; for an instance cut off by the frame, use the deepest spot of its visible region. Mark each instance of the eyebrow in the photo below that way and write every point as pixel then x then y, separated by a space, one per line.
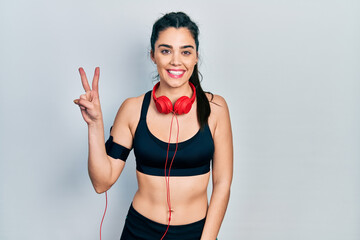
pixel 182 47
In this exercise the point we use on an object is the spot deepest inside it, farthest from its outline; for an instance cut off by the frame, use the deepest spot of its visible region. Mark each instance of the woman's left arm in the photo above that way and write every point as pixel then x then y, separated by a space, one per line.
pixel 222 170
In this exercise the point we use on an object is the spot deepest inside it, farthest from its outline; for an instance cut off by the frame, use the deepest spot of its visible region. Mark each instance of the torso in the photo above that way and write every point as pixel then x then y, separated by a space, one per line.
pixel 188 198
pixel 188 193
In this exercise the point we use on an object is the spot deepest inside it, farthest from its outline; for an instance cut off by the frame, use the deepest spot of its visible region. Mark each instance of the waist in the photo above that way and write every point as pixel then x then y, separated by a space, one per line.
pixel 188 198
pixel 134 212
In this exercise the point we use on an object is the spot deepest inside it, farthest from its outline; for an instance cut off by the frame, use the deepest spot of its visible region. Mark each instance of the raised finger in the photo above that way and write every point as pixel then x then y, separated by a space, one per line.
pixel 95 82
pixel 84 80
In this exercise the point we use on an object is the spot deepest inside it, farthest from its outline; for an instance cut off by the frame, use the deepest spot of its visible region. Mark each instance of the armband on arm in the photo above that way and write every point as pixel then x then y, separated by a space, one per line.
pixel 116 150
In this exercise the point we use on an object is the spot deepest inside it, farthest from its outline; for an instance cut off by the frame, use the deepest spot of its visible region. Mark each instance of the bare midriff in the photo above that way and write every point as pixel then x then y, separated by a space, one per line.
pixel 188 195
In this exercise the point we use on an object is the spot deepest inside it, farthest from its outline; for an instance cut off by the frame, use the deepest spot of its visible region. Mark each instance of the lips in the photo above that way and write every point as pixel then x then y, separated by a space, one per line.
pixel 176 73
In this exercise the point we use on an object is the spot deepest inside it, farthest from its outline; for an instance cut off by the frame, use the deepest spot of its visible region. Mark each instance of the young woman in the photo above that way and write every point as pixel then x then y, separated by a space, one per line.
pixel 177 131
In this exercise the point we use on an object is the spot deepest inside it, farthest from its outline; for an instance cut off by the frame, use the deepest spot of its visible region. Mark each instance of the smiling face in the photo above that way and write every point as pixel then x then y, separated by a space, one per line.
pixel 175 55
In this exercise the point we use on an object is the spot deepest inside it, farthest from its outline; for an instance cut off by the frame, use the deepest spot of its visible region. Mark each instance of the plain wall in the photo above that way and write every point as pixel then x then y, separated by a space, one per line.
pixel 289 71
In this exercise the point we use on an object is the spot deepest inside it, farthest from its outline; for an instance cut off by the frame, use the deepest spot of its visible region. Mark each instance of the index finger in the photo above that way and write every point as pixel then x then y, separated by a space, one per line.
pixel 95 82
pixel 84 80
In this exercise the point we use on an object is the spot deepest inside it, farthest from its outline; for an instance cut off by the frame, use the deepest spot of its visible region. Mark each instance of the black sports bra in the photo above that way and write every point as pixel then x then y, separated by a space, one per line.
pixel 193 156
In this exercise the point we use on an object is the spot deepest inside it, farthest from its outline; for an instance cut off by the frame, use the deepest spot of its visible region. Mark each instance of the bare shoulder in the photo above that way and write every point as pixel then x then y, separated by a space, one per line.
pixel 128 114
pixel 131 104
pixel 219 119
pixel 218 104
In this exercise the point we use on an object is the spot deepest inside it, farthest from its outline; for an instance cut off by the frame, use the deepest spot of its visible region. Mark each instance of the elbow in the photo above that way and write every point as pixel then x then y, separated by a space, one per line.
pixel 100 184
pixel 222 186
pixel 224 183
pixel 101 188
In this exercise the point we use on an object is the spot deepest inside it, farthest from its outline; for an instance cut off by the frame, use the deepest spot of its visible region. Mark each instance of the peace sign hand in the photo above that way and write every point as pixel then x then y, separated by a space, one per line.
pixel 89 102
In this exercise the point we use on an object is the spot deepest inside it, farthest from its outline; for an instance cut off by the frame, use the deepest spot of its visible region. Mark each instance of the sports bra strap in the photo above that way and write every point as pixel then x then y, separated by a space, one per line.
pixel 145 105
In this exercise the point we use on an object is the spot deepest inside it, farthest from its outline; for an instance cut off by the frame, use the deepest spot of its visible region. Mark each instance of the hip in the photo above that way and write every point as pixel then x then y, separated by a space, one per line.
pixel 139 227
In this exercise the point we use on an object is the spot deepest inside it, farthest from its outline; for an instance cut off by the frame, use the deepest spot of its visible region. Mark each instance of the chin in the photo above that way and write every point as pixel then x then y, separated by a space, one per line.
pixel 176 82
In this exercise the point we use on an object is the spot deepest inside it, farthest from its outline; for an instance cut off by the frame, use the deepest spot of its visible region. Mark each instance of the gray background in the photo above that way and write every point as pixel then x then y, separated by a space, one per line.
pixel 289 71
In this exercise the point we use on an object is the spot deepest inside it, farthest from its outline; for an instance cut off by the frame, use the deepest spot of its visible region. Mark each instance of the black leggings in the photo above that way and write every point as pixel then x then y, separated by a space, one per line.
pixel 138 227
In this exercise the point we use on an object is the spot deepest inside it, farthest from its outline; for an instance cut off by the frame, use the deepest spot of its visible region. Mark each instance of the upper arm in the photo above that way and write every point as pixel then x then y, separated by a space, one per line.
pixel 121 129
pixel 223 141
pixel 122 133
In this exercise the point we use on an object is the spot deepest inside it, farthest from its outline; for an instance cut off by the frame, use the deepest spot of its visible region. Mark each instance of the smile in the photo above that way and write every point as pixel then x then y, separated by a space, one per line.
pixel 176 73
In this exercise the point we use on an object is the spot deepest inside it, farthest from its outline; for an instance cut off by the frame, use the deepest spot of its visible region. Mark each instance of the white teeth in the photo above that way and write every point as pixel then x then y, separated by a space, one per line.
pixel 176 72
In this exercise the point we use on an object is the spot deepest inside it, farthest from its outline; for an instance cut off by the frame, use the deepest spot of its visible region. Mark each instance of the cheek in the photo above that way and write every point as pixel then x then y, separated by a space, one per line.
pixel 161 68
pixel 190 64
pixel 162 61
pixel 191 61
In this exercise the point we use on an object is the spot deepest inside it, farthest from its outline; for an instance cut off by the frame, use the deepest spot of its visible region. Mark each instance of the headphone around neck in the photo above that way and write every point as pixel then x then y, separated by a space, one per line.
pixel 181 106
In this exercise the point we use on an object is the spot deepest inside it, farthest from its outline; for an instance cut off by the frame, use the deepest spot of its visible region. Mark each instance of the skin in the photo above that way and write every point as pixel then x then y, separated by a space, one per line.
pixel 188 194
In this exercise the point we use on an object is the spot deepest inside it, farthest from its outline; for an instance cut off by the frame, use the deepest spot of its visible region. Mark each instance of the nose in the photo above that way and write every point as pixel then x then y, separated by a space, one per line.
pixel 175 60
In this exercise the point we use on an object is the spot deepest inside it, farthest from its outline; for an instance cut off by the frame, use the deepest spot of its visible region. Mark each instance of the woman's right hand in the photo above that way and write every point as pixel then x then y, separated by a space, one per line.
pixel 89 102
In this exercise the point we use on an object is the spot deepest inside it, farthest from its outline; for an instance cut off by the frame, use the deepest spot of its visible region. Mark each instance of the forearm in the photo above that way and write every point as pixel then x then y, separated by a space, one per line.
pixel 216 211
pixel 99 165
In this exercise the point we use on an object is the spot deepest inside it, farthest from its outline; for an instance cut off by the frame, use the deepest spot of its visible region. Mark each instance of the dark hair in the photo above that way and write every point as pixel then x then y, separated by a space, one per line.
pixel 179 20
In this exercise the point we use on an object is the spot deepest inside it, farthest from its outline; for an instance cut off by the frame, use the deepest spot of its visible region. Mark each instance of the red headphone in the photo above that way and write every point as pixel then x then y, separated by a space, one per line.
pixel 181 106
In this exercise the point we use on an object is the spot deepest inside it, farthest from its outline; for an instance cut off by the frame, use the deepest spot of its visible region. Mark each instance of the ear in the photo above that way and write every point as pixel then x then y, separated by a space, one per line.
pixel 152 56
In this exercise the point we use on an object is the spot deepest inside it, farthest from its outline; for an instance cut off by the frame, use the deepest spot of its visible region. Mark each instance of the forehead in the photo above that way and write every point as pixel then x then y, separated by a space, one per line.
pixel 175 37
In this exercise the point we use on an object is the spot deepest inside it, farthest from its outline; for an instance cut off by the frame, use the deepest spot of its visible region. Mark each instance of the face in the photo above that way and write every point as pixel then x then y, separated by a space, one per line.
pixel 175 56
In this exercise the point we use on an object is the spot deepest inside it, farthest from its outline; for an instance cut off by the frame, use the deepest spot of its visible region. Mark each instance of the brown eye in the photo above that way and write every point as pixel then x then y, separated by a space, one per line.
pixel 186 53
pixel 165 51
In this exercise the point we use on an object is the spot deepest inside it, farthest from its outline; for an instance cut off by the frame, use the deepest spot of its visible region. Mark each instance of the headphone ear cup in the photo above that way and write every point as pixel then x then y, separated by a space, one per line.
pixel 182 105
pixel 164 105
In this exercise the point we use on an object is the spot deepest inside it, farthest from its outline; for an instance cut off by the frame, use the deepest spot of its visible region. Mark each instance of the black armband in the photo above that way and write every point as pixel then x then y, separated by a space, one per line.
pixel 115 150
